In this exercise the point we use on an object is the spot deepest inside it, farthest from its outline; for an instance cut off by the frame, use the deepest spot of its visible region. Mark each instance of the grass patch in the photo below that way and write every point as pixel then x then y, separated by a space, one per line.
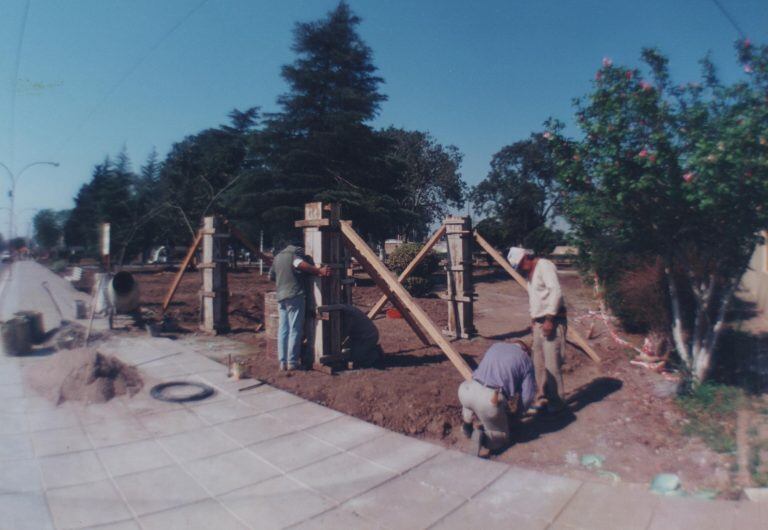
pixel 711 411
pixel 759 468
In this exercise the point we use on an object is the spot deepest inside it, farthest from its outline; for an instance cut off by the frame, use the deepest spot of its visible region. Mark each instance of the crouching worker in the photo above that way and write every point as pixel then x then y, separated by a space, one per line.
pixel 505 375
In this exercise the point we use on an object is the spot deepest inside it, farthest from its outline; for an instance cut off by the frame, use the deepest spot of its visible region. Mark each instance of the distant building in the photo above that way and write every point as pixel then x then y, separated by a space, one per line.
pixel 391 244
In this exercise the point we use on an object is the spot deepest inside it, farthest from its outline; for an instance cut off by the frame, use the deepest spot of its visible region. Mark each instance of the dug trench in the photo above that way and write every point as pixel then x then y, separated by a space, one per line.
pixel 620 412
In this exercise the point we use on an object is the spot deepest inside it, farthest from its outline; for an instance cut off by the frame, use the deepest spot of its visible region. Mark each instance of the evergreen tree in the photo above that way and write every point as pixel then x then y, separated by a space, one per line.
pixel 320 146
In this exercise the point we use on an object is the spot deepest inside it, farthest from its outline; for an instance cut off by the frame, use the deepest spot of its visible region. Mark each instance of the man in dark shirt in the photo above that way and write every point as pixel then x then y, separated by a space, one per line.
pixel 286 272
pixel 505 372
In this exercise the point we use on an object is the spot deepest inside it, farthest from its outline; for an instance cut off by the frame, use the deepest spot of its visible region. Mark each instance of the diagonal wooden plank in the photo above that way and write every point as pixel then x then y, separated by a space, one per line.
pixel 572 335
pixel 400 296
pixel 182 268
pixel 245 241
pixel 409 269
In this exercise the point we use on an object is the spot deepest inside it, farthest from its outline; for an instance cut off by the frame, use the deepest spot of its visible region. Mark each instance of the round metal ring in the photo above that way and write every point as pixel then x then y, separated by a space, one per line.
pixel 204 391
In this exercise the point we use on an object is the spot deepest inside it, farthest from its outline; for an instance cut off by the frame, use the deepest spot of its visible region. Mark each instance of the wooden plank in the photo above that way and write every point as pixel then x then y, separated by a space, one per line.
pixel 182 268
pixel 312 223
pixel 572 336
pixel 409 269
pixel 401 297
pixel 244 240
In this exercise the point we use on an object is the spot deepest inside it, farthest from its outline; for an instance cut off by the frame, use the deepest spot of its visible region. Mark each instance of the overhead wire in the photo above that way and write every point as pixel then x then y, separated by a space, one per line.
pixel 15 82
pixel 728 16
pixel 128 72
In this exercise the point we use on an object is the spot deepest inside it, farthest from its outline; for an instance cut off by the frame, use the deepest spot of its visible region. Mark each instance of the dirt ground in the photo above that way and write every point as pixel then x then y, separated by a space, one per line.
pixel 618 411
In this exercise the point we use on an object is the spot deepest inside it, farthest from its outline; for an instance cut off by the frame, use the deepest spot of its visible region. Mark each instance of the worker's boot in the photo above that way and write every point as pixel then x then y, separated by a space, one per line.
pixel 478 441
pixel 467 429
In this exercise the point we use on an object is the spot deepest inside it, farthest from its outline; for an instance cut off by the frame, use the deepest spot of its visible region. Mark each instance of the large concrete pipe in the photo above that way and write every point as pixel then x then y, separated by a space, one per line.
pixel 123 293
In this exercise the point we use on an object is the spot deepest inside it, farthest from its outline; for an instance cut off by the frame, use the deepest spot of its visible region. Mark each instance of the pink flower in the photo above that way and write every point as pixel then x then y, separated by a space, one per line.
pixel 689 176
pixel 547 135
pixel 645 85
pixel 643 153
pixel 652 158
pixel 747 68
pixel 628 75
pixel 607 62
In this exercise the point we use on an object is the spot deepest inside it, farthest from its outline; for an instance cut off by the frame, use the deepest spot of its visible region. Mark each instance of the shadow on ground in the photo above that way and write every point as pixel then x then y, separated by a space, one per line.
pixel 596 390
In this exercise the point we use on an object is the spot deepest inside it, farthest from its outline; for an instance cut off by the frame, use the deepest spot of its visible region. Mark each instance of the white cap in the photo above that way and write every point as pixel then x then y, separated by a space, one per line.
pixel 515 255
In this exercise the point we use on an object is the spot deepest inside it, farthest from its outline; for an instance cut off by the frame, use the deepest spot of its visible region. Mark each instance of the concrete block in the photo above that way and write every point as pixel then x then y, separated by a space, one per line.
pixel 458 473
pixel 599 506
pixel 60 441
pixel 13 423
pixel 117 431
pixel 337 518
pixel 527 493
pixel 171 422
pixel 25 511
pixel 204 515
pixel 14 446
pixel 71 468
pixel 20 476
pixel 396 452
pixel 159 489
pixel 346 432
pixel 197 444
pixel 255 429
pixel 293 450
pixel 134 457
pixel 477 515
pixel 342 476
pixel 275 503
pixel 418 504
pixel 685 514
pixel 304 415
pixel 230 471
pixel 272 400
pixel 86 505
pixel 223 410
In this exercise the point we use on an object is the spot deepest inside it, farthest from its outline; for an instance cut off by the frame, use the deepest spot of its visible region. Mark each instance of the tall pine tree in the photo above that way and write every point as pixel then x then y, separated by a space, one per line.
pixel 320 147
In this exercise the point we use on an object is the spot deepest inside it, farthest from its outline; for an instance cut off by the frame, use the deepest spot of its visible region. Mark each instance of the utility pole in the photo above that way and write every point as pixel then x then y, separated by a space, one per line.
pixel 12 192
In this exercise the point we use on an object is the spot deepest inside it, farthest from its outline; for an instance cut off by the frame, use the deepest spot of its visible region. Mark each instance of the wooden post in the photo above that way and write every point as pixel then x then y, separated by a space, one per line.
pixel 403 301
pixel 214 315
pixel 322 243
pixel 458 233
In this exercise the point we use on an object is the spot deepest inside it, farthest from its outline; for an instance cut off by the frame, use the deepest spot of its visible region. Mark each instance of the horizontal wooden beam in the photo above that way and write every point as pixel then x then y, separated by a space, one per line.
pixel 400 296
pixel 312 223
pixel 572 336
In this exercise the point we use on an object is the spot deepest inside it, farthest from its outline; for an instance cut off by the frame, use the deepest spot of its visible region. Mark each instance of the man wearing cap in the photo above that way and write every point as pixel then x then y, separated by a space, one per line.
pixel 549 322
pixel 287 271
pixel 505 375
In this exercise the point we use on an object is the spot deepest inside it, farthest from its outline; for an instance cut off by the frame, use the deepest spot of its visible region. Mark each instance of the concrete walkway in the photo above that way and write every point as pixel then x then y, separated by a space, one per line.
pixel 264 458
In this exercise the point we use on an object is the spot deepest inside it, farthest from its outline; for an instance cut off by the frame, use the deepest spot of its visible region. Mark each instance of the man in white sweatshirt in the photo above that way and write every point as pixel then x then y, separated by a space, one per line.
pixel 549 322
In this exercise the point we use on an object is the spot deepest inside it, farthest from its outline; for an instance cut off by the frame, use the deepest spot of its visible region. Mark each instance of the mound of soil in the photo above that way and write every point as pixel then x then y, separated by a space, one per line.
pixel 83 375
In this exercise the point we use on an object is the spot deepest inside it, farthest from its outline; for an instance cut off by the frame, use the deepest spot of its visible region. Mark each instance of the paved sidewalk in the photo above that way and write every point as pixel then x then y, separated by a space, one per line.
pixel 265 458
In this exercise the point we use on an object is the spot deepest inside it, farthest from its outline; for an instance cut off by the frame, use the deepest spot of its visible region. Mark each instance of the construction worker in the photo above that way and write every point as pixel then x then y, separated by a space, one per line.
pixel 287 271
pixel 502 387
pixel 549 323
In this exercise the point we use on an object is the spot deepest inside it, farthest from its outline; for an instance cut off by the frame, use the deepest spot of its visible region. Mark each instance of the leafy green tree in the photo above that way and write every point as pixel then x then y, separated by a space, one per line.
pixel 48 228
pixel 674 172
pixel 520 193
pixel 429 178
pixel 199 171
pixel 320 146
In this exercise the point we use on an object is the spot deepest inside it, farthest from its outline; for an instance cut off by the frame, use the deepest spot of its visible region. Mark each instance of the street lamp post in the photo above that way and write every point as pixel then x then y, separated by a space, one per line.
pixel 12 192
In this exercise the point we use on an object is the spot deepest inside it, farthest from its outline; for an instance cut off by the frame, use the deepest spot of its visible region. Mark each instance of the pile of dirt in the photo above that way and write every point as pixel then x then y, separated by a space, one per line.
pixel 83 375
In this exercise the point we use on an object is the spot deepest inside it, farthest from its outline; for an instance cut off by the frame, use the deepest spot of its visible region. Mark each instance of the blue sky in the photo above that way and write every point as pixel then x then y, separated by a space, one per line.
pixel 81 79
